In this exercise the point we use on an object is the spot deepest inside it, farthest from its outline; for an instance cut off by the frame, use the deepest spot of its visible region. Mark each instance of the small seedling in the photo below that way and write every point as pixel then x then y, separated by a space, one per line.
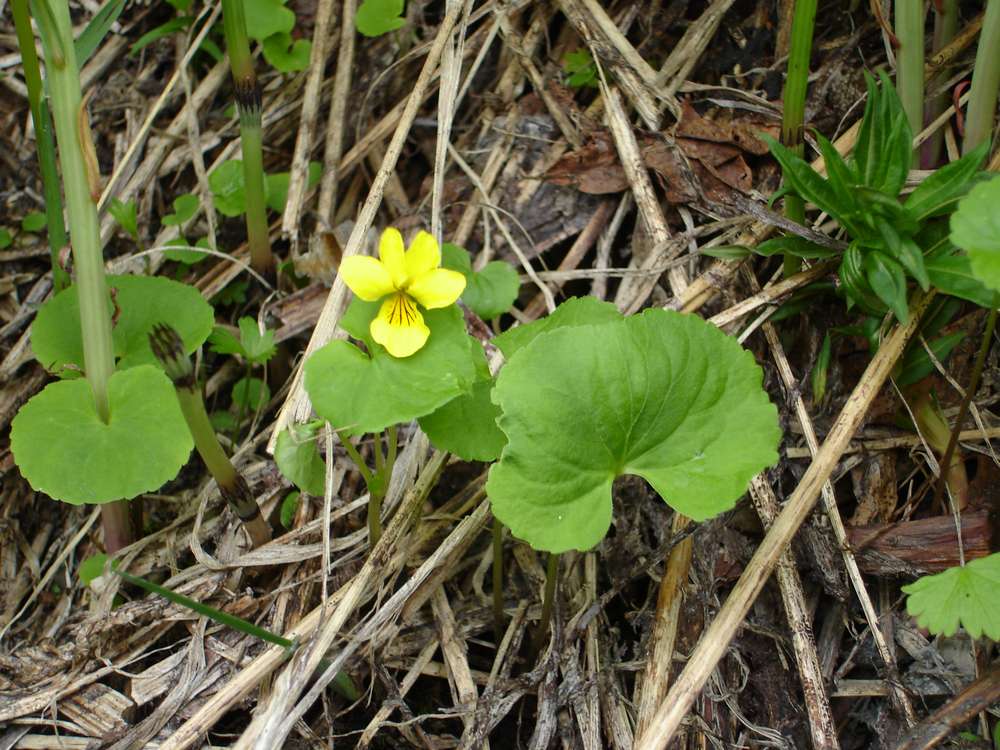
pixel 378 17
pixel 580 69
pixel 249 393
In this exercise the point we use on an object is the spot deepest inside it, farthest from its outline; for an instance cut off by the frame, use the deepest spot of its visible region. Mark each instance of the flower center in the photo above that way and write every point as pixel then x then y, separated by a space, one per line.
pixel 403 311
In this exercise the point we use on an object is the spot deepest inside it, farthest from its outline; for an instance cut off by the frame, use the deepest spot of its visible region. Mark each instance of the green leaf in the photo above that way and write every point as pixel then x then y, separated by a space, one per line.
pixel 917 364
pixel 98 27
pixel 840 177
pixel 360 392
pixel 64 449
pixel 223 421
pixel 888 281
pixel 576 311
pixel 807 182
pixel 821 369
pixel 125 215
pixel 944 186
pixel 975 227
pixel 489 292
pixel 661 395
pixel 251 393
pixel 266 18
pixel 456 258
pixel 298 458
pixel 276 186
pixel 466 425
pixel 234 293
pixel 905 250
pixel 222 341
pixel 33 222
pixel 185 256
pixel 580 69
pixel 181 6
pixel 727 252
pixel 172 26
pixel 855 284
pixel 968 595
pixel 5 238
pixel 953 274
pixel 92 568
pixel 142 302
pixel 257 347
pixel 378 17
pixel 286 55
pixel 791 244
pixel 228 188
pixel 185 207
pixel 289 507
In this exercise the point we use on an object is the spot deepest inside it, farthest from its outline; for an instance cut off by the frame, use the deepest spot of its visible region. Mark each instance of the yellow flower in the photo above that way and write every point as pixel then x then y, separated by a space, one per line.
pixel 404 279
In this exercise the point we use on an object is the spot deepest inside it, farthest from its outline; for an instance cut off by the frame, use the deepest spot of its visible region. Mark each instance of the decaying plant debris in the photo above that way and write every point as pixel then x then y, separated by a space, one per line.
pixel 464 123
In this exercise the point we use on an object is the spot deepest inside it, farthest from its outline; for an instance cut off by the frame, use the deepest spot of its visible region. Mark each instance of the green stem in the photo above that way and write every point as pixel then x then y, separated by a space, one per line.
pixel 985 81
pixel 353 454
pixel 71 128
pixel 945 28
pixel 970 392
pixel 342 683
pixel 910 60
pixel 169 350
pixel 794 106
pixel 249 104
pixel 498 613
pixel 42 120
pixel 551 578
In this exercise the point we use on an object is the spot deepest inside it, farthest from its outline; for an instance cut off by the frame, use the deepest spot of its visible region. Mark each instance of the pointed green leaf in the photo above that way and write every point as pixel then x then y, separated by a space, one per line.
pixel 904 250
pixel 576 311
pixel 257 347
pixel 661 395
pixel 298 459
pixel 968 595
pixel 953 275
pixel 917 364
pixel 888 281
pixel 975 227
pixel 944 186
pixel 806 181
pixel 125 215
pixel 791 244
pixel 64 449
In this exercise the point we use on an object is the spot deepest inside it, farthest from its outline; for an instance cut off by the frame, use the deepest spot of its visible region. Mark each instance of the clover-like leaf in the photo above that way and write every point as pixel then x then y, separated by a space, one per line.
pixel 975 227
pixel 968 595
pixel 662 395
pixel 185 207
pixel 142 301
pixel 228 188
pixel 378 17
pixel 466 425
pixel 365 392
pixel 252 345
pixel 298 459
pixel 286 55
pixel 64 449
pixel 489 292
pixel 576 311
pixel 265 18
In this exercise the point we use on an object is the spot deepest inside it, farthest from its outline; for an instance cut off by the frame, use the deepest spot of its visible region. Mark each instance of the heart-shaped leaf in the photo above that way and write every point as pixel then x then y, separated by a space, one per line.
pixel 142 301
pixel 64 449
pixel 576 311
pixel 360 392
pixel 975 227
pixel 377 17
pixel 298 458
pixel 489 292
pixel 285 54
pixel 265 18
pixel 662 395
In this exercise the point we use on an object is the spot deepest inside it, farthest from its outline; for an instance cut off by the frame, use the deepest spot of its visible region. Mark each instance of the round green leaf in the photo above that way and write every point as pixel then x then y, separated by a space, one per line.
pixel 466 425
pixel 975 227
pixel 576 311
pixel 298 458
pixel 377 17
pixel 142 301
pixel 491 291
pixel 64 449
pixel 286 55
pixel 228 188
pixel 5 238
pixel 92 568
pixel 267 17
pixel 33 222
pixel 665 396
pixel 968 594
pixel 360 392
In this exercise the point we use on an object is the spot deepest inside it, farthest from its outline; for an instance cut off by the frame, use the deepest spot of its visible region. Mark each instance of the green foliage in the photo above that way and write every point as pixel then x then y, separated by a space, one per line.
pixel 466 425
pixel 968 595
pixel 298 458
pixel 92 568
pixel 576 311
pixel 184 255
pixel 140 302
pixel 289 507
pixel 185 207
pixel 728 252
pixel 863 196
pixel 378 17
pixel 234 293
pixel 90 38
pixel 229 190
pixel 5 238
pixel 975 227
pixel 251 393
pixel 360 392
pixel 64 449
pixel 33 222
pixel 271 24
pixel 917 363
pixel 255 347
pixel 285 54
pixel 580 69
pixel 821 369
pixel 489 292
pixel 126 216
pixel 662 395
pixel 181 23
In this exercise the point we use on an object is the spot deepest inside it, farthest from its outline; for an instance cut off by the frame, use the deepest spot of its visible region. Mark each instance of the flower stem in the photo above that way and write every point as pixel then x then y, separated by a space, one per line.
pixel 551 578
pixel 909 29
pixel 42 120
pixel 249 104
pixel 970 391
pixel 498 613
pixel 169 350
pixel 985 81
pixel 794 105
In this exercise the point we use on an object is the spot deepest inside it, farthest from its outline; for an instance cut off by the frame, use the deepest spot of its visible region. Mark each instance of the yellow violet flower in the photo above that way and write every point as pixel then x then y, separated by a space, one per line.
pixel 404 278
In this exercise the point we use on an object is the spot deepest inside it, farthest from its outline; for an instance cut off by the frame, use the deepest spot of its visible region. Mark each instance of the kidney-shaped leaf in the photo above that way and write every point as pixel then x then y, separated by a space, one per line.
pixel 967 594
pixel 576 311
pixel 365 392
pixel 975 227
pixel 142 301
pixel 662 395
pixel 66 451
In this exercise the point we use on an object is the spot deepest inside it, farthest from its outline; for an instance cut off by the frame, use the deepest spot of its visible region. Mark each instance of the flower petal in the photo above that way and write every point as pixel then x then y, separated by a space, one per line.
pixel 399 326
pixel 366 277
pixel 438 288
pixel 391 251
pixel 423 255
